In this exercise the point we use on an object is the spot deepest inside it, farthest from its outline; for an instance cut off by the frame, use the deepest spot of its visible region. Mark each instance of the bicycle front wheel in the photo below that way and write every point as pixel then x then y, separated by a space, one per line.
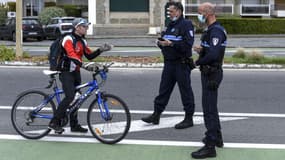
pixel 31 114
pixel 115 126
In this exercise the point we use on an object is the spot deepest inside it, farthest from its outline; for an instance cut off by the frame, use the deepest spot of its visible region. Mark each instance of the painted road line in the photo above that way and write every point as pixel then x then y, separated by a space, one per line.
pixel 262 115
pixel 147 142
pixel 138 125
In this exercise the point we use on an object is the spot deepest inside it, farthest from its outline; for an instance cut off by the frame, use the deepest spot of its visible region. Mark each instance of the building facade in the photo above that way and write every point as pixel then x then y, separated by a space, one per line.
pixel 148 16
pixel 142 17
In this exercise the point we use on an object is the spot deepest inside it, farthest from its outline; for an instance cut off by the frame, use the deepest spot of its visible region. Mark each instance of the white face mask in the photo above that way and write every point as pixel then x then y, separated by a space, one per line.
pixel 201 18
pixel 174 18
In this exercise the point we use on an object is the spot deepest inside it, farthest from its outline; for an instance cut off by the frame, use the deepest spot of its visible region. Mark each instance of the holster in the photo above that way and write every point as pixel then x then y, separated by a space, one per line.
pixel 209 71
pixel 189 61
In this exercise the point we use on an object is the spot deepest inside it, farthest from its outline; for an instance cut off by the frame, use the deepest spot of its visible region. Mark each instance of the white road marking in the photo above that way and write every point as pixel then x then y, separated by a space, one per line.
pixel 138 125
pixel 262 115
pixel 148 142
pixel 166 122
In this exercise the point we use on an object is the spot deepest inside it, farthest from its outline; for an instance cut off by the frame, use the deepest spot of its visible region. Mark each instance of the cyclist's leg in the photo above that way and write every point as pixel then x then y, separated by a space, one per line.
pixel 73 115
pixel 75 127
pixel 67 80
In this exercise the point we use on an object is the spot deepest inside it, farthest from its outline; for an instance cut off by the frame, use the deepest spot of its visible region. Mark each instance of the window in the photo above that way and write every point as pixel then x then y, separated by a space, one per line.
pixel 129 5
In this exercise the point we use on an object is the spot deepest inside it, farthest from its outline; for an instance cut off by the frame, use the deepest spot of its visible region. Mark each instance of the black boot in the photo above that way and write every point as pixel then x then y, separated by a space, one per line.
pixel 219 142
pixel 186 123
pixel 78 128
pixel 154 118
pixel 205 152
pixel 55 125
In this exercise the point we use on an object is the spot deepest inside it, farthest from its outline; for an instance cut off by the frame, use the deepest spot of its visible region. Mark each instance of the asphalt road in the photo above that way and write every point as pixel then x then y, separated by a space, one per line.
pixel 253 97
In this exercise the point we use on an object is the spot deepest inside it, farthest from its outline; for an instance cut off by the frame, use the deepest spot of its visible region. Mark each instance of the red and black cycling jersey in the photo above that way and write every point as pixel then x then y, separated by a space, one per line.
pixel 76 52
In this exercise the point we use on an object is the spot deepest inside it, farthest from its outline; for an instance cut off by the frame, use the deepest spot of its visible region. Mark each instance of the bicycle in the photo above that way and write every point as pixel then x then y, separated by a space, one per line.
pixel 108 116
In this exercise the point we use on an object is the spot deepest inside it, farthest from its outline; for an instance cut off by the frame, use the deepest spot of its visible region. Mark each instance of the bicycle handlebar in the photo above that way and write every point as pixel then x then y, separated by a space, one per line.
pixel 96 70
pixel 91 67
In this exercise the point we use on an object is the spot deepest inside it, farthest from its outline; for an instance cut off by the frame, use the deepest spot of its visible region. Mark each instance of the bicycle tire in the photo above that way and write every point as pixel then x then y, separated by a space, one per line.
pixel 29 126
pixel 109 131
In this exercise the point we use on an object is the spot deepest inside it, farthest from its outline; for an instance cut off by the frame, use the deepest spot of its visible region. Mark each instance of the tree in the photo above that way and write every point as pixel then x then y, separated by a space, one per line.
pixel 50 12
pixel 3 13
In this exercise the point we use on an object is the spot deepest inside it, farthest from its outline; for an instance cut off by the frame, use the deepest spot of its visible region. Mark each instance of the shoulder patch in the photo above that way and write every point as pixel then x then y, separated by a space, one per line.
pixel 215 41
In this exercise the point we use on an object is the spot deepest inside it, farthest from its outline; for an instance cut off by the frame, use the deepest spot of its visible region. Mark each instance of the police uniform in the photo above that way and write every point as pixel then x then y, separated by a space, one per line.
pixel 176 68
pixel 213 43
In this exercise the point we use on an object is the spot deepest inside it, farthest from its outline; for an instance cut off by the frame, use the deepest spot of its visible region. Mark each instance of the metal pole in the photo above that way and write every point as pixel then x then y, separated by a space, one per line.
pixel 19 39
pixel 91 15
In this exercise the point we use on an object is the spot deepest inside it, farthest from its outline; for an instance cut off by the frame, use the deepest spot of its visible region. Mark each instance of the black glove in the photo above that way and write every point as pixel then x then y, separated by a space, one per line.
pixel 105 47
pixel 91 68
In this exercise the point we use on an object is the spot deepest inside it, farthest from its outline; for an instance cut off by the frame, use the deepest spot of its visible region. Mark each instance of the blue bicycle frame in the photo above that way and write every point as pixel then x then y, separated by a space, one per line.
pixel 93 85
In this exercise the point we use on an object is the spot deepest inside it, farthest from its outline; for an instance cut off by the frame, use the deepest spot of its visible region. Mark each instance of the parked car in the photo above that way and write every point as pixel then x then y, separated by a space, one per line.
pixel 31 28
pixel 58 26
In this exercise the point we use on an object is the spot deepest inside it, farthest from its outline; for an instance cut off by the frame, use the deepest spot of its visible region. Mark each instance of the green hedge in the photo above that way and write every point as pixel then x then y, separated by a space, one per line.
pixel 12 6
pixel 237 25
pixel 3 14
pixel 73 10
pixel 253 25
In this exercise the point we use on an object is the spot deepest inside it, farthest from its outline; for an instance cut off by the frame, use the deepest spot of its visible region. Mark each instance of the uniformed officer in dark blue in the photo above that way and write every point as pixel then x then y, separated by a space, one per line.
pixel 211 54
pixel 176 45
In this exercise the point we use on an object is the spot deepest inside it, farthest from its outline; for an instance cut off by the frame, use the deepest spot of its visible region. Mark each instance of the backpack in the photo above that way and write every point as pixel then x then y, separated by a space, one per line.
pixel 57 53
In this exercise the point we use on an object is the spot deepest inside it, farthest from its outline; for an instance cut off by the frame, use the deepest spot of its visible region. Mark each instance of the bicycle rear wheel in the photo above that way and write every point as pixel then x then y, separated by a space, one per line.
pixel 114 128
pixel 31 114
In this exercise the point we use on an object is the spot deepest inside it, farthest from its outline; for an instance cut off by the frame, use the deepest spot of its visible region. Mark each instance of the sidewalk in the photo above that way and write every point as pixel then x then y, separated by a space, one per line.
pixel 149 65
pixel 234 41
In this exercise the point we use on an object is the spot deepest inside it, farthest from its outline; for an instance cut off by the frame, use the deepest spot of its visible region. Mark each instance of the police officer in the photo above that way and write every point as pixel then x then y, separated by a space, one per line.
pixel 176 45
pixel 211 54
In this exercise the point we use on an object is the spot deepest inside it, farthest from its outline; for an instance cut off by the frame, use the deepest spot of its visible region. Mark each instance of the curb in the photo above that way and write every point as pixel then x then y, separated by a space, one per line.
pixel 150 65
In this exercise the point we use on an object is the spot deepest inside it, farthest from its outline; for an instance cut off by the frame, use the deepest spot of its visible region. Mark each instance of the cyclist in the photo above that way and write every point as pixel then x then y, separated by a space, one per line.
pixel 70 72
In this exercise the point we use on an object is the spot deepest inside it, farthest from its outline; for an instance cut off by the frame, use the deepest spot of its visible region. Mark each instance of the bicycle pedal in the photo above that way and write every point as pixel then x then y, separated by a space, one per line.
pixel 59 132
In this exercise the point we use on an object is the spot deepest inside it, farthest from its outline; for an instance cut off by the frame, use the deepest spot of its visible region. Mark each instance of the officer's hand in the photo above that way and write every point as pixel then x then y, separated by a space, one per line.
pixel 164 43
pixel 198 49
pixel 105 47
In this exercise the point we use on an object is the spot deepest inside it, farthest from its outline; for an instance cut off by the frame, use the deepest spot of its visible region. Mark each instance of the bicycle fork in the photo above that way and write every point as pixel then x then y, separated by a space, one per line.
pixel 103 107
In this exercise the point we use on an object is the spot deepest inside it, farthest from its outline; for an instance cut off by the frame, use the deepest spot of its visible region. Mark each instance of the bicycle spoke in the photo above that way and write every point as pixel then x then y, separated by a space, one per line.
pixel 111 129
pixel 29 115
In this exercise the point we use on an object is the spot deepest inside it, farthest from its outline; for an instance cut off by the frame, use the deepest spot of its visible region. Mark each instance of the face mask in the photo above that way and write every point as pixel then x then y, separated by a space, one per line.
pixel 201 18
pixel 174 18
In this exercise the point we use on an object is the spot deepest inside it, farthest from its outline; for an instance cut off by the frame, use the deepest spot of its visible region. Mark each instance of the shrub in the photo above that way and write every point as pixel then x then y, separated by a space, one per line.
pixel 12 6
pixel 3 14
pixel 253 25
pixel 7 54
pixel 238 25
pixel 72 10
pixel 240 53
pixel 50 12
pixel 50 4
pixel 255 57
